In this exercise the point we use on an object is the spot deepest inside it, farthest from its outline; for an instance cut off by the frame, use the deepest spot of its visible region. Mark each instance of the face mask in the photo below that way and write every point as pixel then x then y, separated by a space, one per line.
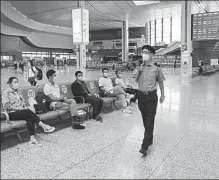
pixel 106 74
pixel 145 57
pixel 15 86
pixel 80 78
pixel 54 78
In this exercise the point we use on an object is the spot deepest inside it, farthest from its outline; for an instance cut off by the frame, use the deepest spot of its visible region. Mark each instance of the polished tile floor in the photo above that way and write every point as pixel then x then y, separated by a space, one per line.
pixel 186 139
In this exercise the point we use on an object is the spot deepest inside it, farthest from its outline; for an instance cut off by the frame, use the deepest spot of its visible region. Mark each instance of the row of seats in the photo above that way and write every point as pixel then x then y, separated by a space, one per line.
pixel 209 69
pixel 8 126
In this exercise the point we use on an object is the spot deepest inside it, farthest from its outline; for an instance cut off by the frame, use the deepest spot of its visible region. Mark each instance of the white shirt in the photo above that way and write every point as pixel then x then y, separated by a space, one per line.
pixel 120 82
pixel 31 73
pixel 52 89
pixel 106 83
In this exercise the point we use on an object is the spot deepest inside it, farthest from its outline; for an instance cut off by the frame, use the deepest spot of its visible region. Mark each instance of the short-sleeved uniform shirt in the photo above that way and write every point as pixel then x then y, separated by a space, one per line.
pixel 52 89
pixel 106 83
pixel 148 77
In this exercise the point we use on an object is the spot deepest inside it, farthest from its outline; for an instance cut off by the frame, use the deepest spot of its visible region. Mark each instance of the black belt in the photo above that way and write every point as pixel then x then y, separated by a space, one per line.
pixel 147 93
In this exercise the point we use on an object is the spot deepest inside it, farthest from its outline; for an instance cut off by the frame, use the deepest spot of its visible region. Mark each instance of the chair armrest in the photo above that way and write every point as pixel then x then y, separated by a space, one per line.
pixel 7 117
pixel 83 100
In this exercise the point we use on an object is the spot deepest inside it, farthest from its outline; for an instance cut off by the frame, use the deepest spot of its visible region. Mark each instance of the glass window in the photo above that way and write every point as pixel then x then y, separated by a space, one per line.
pixel 158 30
pixel 149 32
pixel 176 28
pixel 152 33
pixel 166 30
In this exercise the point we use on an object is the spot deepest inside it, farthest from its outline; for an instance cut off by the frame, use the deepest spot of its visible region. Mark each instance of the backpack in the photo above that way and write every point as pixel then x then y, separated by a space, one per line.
pixel 43 103
pixel 39 75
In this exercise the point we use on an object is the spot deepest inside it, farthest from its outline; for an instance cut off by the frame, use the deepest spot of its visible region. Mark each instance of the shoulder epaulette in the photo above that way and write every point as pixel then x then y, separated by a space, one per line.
pixel 156 64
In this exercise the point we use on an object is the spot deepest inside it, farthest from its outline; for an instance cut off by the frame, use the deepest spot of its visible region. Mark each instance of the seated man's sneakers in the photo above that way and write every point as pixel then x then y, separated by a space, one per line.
pixel 78 126
pixel 98 118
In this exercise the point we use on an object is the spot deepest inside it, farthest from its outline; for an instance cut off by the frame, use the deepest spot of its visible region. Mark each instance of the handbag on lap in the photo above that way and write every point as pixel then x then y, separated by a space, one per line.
pixel 43 103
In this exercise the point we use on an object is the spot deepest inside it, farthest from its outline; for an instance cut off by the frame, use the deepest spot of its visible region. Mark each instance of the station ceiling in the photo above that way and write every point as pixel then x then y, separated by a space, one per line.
pixel 103 14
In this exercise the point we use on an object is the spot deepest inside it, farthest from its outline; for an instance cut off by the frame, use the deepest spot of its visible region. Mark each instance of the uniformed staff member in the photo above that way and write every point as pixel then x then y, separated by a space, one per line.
pixel 148 76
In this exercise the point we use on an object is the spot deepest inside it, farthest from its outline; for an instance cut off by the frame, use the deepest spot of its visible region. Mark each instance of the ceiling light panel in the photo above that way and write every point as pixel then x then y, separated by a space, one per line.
pixel 140 3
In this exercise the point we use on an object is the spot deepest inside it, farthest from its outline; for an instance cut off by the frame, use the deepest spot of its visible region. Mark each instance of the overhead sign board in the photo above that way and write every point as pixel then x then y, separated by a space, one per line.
pixel 205 26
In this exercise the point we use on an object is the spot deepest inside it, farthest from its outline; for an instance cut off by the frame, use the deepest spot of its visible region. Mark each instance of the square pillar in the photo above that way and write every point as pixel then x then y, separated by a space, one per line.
pixel 81 23
pixel 186 43
pixel 125 41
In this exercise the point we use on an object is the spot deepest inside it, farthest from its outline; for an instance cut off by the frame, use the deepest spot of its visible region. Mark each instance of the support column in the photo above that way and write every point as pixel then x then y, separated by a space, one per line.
pixel 146 33
pixel 125 40
pixel 81 49
pixel 186 50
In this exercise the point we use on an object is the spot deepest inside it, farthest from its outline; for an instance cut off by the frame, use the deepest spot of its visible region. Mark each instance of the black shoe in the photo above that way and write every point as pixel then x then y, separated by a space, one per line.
pixel 78 126
pixel 98 118
pixel 143 151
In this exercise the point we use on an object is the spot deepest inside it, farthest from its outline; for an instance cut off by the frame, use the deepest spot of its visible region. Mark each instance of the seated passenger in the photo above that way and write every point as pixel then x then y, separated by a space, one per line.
pixel 127 88
pixel 59 102
pixel 106 85
pixel 14 104
pixel 79 88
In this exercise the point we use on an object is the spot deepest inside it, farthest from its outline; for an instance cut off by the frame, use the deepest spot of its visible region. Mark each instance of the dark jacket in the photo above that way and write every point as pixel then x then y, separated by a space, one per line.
pixel 79 89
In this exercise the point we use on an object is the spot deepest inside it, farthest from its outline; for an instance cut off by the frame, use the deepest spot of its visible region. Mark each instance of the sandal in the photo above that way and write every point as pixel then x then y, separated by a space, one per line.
pixel 35 142
pixel 49 129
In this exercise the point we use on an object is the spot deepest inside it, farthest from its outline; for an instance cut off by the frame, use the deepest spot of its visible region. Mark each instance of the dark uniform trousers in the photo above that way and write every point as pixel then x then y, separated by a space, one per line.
pixel 147 104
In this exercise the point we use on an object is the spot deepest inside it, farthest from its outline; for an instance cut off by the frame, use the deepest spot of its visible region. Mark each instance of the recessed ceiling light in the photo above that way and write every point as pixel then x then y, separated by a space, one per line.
pixel 140 3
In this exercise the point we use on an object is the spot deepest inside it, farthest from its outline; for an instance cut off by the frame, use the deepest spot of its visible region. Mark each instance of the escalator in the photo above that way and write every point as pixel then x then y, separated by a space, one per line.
pixel 172 47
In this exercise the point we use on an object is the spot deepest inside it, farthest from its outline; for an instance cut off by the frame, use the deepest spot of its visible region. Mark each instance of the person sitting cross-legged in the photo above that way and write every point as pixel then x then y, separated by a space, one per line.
pixel 106 85
pixel 14 104
pixel 52 90
pixel 127 88
pixel 79 88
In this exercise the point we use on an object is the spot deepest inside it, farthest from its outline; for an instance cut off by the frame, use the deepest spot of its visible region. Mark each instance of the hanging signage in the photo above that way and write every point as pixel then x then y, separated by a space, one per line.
pixel 213 61
pixel 80 26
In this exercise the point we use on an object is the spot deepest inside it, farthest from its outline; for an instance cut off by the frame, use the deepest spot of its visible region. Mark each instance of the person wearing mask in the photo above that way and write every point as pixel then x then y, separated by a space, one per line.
pixel 79 88
pixel 14 104
pixel 106 85
pixel 32 72
pixel 148 76
pixel 22 65
pixel 52 90
pixel 127 88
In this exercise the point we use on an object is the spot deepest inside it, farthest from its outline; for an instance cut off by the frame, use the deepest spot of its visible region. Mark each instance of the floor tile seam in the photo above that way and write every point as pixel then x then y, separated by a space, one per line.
pixel 71 167
pixel 168 155
pixel 184 167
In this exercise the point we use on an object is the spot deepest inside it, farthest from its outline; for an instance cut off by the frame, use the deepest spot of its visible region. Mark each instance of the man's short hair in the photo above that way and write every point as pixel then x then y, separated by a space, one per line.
pixel 149 48
pixel 49 73
pixel 117 71
pixel 78 72
pixel 105 69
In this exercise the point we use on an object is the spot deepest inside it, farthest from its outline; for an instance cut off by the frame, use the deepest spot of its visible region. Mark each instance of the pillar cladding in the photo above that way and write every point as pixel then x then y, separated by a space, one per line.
pixel 81 48
pixel 186 42
pixel 125 41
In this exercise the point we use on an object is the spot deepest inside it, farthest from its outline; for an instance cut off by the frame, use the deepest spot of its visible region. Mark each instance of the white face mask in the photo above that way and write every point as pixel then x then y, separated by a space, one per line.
pixel 106 74
pixel 80 78
pixel 120 75
pixel 54 78
pixel 15 86
pixel 145 57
